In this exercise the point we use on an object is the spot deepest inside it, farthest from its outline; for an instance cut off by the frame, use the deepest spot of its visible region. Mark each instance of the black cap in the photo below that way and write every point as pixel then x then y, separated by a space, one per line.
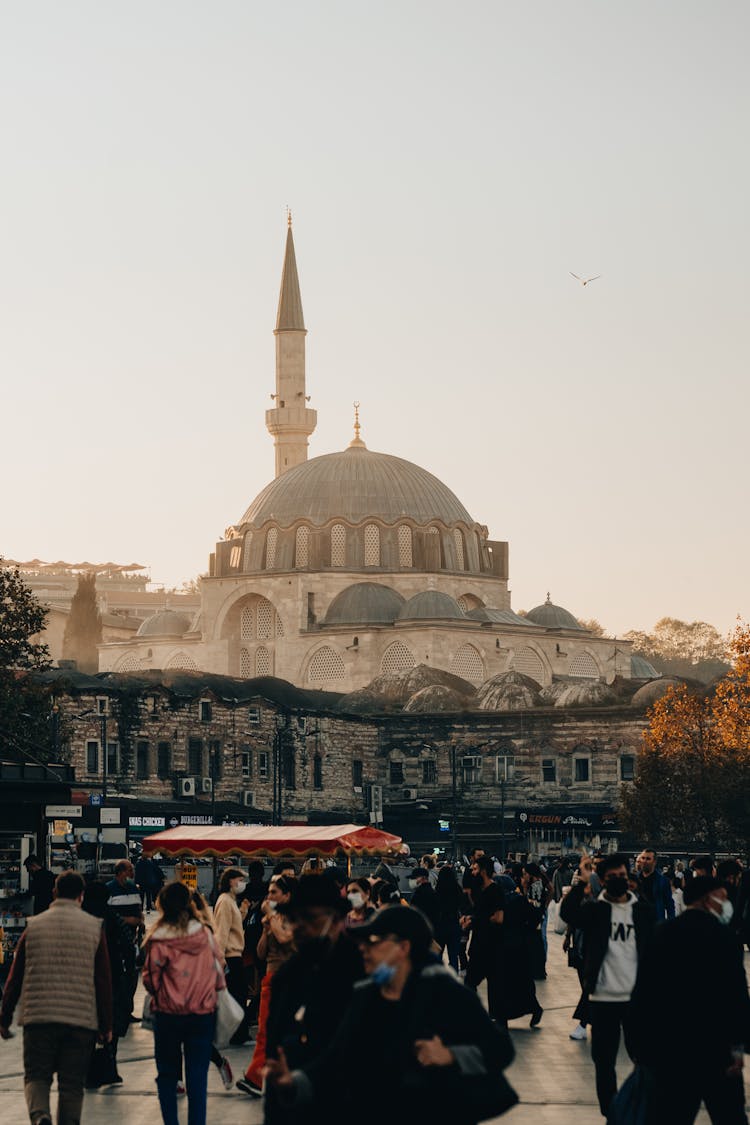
pixel 402 922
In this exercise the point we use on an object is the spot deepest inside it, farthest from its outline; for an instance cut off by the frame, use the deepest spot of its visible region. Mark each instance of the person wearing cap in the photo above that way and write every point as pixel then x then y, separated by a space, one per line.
pixel 706 1020
pixel 413 1023
pixel 310 992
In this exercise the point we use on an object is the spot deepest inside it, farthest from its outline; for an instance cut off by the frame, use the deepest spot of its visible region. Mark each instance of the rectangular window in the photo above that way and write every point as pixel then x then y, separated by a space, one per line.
pixel 396 773
pixel 164 760
pixel 151 704
pixel 234 556
pixel 141 761
pixel 195 757
pixel 263 765
pixel 317 772
pixel 205 711
pixel 247 764
pixel 92 757
pixel 504 767
pixel 113 758
pixel 102 705
pixel 302 724
pixel 549 769
pixel 429 771
pixel 357 772
pixel 215 760
pixel 581 769
pixel 253 715
pixel 627 768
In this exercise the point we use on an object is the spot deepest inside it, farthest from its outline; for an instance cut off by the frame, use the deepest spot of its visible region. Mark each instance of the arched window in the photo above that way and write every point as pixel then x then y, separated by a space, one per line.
pixel 301 546
pixel 528 663
pixel 458 539
pixel 235 556
pixel 583 666
pixel 468 664
pixel 262 662
pixel 128 663
pixel 396 658
pixel 279 626
pixel 372 545
pixel 405 556
pixel 248 547
pixel 245 664
pixel 271 539
pixel 338 545
pixel 325 665
pixel 247 623
pixel 265 619
pixel 183 661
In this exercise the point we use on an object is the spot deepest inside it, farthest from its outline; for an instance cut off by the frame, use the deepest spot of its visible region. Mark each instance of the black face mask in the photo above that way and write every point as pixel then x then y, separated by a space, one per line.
pixel 616 886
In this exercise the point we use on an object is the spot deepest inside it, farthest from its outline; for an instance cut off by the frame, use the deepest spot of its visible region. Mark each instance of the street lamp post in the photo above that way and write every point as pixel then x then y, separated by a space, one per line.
pixel 105 775
pixel 454 794
pixel 502 820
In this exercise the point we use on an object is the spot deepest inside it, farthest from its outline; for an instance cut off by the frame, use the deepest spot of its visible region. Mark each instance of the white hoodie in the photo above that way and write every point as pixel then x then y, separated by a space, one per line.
pixel 617 975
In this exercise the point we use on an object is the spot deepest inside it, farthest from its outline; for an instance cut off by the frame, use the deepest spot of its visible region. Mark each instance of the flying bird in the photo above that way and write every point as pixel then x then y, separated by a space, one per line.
pixel 584 280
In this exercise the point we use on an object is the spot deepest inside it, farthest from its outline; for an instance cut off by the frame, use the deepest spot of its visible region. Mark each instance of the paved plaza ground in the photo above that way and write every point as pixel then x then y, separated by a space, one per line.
pixel 552 1074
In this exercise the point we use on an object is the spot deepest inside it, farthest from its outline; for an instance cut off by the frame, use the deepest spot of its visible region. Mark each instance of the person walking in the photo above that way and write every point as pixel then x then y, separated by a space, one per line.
pixel 125 900
pixel 229 920
pixel 359 896
pixel 653 886
pixel 427 1038
pixel 149 878
pixel 616 929
pixel 424 898
pixel 450 905
pixel 41 884
pixel 183 972
pixel 485 923
pixel 61 975
pixel 706 1020
pixel 122 961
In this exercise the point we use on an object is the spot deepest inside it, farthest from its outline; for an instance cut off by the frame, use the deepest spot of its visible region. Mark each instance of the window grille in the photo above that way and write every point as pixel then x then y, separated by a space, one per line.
pixel 262 662
pixel 265 619
pixel 248 550
pixel 247 623
pixel 279 626
pixel 584 667
pixel 526 661
pixel 338 545
pixel 301 546
pixel 271 539
pixel 468 664
pixel 325 665
pixel 183 661
pixel 397 657
pixel 405 555
pixel 458 539
pixel 372 545
pixel 246 667
pixel 129 663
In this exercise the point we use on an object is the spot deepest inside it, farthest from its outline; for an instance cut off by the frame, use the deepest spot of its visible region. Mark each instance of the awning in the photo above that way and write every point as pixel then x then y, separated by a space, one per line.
pixel 256 840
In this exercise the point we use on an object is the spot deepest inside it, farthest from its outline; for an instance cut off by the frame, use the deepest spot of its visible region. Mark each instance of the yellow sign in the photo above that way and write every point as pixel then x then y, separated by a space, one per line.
pixel 188 874
pixel 60 827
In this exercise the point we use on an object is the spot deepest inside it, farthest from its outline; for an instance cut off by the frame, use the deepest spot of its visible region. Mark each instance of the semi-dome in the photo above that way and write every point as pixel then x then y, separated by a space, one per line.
pixel 431 605
pixel 364 603
pixel 553 616
pixel 356 485
pixel 165 623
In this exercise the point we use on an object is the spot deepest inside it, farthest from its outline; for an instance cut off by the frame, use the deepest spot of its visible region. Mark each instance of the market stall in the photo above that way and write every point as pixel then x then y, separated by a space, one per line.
pixel 296 841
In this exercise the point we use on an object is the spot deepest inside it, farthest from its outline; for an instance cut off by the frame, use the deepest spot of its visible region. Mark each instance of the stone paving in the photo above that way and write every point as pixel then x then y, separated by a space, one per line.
pixel 552 1074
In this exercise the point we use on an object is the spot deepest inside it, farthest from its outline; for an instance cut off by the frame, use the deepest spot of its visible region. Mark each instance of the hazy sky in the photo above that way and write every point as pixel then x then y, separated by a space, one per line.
pixel 447 165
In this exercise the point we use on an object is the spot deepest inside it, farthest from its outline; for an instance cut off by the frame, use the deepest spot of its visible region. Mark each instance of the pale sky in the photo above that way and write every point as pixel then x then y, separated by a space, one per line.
pixel 447 165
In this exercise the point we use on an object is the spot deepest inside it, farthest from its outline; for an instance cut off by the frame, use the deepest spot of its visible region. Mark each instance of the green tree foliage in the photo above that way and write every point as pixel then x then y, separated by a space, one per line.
pixel 693 649
pixel 591 625
pixel 693 774
pixel 24 704
pixel 83 631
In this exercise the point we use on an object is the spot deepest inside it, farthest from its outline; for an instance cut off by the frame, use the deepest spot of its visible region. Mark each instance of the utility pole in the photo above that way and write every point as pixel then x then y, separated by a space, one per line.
pixel 105 778
pixel 502 820
pixel 454 814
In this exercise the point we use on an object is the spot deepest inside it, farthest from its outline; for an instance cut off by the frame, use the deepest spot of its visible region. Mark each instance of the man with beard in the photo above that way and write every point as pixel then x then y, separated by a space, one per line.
pixel 312 991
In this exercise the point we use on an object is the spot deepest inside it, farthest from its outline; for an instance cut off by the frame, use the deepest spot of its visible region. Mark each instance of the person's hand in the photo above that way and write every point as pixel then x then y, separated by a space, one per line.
pixel 105 1036
pixel 584 870
pixel 5 1033
pixel 277 1072
pixel 433 1052
pixel 244 907
pixel 465 921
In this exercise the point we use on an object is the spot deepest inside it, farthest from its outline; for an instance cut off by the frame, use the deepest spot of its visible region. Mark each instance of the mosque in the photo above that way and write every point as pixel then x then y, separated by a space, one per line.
pixel 355 565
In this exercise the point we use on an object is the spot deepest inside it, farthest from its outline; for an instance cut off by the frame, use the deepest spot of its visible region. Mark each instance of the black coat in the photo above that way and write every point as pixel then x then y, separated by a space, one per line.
pixel 593 918
pixel 433 1003
pixel 709 1012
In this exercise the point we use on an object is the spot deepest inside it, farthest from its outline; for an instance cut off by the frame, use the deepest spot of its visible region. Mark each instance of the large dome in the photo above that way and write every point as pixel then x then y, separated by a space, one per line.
pixel 356 485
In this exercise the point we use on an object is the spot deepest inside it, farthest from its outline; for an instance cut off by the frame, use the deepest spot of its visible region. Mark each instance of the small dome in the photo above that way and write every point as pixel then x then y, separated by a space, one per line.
pixel 510 691
pixel 553 617
pixel 592 694
pixel 641 669
pixel 436 697
pixel 499 616
pixel 431 605
pixel 165 623
pixel 365 603
pixel 652 691
pixel 398 687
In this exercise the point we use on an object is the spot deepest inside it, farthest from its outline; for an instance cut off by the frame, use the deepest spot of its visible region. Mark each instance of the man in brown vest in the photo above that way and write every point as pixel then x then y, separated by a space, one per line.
pixel 61 974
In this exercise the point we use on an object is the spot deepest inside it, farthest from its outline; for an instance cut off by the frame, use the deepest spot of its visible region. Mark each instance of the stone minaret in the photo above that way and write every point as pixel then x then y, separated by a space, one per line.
pixel 290 421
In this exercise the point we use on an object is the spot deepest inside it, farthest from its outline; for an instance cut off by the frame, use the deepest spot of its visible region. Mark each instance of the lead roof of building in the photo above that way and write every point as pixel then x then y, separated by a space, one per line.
pixel 431 605
pixel 165 623
pixel 364 603
pixel 488 613
pixel 355 485
pixel 553 617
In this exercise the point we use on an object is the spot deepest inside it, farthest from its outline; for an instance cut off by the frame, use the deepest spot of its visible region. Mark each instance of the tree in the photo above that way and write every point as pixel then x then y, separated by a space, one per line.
pixel 693 772
pixel 681 648
pixel 24 704
pixel 591 625
pixel 83 631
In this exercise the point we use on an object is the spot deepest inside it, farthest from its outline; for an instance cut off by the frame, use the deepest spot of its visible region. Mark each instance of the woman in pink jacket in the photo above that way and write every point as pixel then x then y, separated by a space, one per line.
pixel 183 971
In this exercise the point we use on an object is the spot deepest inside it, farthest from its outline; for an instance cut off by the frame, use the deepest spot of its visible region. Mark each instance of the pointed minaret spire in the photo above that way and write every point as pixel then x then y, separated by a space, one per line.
pixel 290 422
pixel 356 442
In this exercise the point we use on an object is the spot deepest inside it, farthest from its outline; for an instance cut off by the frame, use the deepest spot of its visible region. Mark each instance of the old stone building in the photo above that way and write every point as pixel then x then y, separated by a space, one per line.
pixel 357 563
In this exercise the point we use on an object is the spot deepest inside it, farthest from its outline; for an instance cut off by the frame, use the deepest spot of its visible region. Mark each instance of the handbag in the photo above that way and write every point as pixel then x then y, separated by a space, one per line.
pixel 630 1104
pixel 229 1016
pixel 147 1016
pixel 102 1068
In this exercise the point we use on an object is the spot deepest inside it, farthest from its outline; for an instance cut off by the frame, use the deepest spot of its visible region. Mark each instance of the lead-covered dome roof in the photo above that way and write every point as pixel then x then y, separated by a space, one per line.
pixel 553 617
pixel 431 605
pixel 356 485
pixel 164 623
pixel 364 603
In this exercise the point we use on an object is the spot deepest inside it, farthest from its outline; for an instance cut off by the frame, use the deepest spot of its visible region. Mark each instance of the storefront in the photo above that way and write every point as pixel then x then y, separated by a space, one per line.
pixel 555 831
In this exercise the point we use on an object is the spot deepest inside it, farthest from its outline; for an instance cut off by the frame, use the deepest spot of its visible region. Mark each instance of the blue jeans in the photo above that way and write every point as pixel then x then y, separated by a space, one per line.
pixel 172 1035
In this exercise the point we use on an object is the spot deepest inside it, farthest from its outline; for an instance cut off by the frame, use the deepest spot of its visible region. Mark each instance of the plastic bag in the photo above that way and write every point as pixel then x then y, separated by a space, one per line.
pixel 229 1016
pixel 630 1104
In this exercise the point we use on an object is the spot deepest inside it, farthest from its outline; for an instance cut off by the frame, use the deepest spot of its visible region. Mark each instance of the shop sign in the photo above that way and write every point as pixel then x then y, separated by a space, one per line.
pixel 188 874
pixel 566 818
pixel 109 816
pixel 69 812
pixel 196 820
pixel 61 827
pixel 146 821
pixel 96 799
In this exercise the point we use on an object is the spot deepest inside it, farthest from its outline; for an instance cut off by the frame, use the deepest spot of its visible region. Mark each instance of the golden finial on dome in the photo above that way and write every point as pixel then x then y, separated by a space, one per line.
pixel 356 441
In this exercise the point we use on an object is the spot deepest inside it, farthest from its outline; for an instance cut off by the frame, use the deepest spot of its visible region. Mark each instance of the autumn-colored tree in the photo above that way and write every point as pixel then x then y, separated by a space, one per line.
pixel 24 704
pixel 693 649
pixel 83 631
pixel 591 625
pixel 693 774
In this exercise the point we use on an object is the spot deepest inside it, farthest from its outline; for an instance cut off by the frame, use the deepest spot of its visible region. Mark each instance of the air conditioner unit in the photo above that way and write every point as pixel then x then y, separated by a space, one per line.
pixel 472 762
pixel 205 784
pixel 186 787
pixel 247 798
pixel 410 794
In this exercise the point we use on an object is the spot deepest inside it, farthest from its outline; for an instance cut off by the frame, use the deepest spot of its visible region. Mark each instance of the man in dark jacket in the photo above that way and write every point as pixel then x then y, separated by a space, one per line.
pixel 41 884
pixel 312 991
pixel 424 898
pixel 653 887
pixel 698 1031
pixel 616 929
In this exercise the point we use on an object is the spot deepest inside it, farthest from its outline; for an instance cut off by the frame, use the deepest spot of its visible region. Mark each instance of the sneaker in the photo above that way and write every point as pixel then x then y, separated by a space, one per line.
pixel 45 1119
pixel 225 1071
pixel 579 1032
pixel 180 1088
pixel 249 1087
pixel 536 1019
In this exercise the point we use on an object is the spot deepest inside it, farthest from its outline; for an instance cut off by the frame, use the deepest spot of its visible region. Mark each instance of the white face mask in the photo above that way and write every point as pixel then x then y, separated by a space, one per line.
pixel 272 906
pixel 357 899
pixel 727 910
pixel 239 887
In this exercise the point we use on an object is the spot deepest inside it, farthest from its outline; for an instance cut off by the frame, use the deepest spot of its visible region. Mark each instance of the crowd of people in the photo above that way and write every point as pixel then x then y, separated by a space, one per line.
pixel 328 980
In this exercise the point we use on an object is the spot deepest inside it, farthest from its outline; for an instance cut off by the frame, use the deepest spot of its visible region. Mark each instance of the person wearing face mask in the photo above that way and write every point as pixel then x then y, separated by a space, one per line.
pixel 414 1024
pixel 229 920
pixel 358 894
pixel 706 1022
pixel 616 930
pixel 312 990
